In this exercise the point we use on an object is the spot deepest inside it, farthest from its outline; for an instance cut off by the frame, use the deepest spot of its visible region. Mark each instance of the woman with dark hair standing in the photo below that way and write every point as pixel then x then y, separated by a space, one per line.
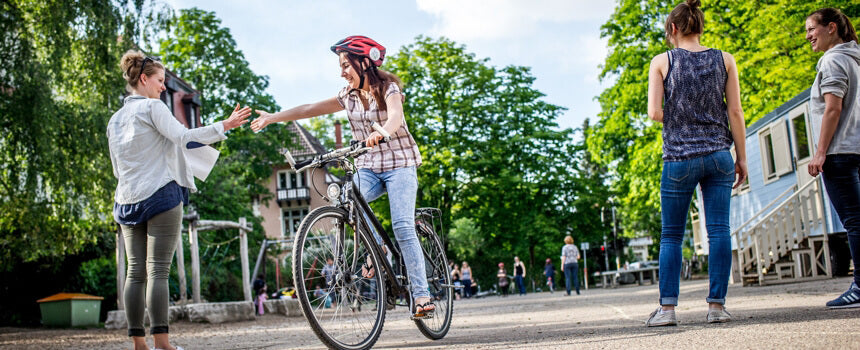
pixel 146 150
pixel 834 104
pixel 374 95
pixel 694 91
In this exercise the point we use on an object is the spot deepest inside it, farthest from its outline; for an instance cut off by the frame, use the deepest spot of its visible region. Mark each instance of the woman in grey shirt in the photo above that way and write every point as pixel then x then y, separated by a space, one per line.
pixel 834 105
pixel 146 149
pixel 569 257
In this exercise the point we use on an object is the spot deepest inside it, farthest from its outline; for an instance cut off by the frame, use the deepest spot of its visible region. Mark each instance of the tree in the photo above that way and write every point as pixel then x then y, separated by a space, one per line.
pixel 59 85
pixel 204 53
pixel 494 159
pixel 323 129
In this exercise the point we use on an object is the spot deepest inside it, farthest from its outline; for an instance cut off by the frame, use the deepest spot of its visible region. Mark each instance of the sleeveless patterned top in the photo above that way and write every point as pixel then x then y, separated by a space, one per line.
pixel 695 116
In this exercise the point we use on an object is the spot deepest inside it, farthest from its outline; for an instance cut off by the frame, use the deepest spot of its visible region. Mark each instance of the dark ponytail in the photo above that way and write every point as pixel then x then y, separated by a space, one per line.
pixel 687 18
pixel 829 15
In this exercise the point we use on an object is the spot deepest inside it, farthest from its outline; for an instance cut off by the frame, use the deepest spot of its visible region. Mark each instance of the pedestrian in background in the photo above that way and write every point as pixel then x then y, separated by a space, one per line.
pixel 694 91
pixel 834 105
pixel 455 277
pixel 569 258
pixel 466 279
pixel 502 275
pixel 549 272
pixel 520 275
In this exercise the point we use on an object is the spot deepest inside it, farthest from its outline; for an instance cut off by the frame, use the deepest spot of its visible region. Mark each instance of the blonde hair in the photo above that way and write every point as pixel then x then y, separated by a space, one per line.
pixel 568 240
pixel 131 63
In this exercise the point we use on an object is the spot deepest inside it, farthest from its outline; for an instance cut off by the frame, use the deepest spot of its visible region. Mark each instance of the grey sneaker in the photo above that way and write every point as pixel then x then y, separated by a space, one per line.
pixel 718 315
pixel 658 319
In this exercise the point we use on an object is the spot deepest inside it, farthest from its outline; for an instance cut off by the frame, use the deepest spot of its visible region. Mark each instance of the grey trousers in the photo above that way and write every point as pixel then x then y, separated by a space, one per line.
pixel 150 247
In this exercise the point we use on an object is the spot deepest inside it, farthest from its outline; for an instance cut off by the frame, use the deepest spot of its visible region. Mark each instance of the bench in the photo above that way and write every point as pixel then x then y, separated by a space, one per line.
pixel 611 277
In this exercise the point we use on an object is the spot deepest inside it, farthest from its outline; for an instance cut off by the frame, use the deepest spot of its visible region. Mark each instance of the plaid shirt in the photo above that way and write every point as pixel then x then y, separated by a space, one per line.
pixel 400 152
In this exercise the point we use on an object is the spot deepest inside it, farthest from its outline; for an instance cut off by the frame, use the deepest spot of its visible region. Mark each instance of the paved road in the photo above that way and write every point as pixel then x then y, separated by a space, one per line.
pixel 773 317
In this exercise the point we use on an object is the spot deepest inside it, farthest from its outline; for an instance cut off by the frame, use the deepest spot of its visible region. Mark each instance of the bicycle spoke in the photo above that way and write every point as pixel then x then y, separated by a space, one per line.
pixel 354 318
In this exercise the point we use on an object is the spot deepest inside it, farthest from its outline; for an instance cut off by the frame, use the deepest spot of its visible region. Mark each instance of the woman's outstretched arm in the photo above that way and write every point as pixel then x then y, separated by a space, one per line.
pixel 326 106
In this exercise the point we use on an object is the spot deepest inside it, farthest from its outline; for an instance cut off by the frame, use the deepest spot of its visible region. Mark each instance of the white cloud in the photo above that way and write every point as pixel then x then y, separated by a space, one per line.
pixel 494 19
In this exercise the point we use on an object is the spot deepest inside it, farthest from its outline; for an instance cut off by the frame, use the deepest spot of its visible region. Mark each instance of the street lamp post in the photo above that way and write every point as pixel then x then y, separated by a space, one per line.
pixel 605 251
pixel 615 240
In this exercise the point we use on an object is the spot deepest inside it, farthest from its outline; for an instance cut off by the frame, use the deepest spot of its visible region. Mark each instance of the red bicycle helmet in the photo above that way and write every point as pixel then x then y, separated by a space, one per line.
pixel 362 46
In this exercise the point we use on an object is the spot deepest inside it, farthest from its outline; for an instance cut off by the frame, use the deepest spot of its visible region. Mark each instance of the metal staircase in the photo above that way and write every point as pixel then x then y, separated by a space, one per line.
pixel 786 243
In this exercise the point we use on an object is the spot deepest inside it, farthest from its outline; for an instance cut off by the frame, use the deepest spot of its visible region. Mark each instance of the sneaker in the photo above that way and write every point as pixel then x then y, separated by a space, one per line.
pixel 657 318
pixel 718 315
pixel 849 299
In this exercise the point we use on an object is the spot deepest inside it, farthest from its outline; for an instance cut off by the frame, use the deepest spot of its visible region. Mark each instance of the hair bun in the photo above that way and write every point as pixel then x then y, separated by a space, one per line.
pixel 694 3
pixel 129 59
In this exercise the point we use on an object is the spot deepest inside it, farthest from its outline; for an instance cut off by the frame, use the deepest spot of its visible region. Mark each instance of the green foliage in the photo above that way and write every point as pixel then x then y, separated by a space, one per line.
pixel 98 276
pixel 494 159
pixel 59 85
pixel 464 238
pixel 322 128
pixel 202 52
pixel 774 60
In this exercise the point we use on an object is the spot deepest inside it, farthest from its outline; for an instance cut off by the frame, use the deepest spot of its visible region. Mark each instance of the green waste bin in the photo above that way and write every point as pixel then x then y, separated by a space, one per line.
pixel 70 310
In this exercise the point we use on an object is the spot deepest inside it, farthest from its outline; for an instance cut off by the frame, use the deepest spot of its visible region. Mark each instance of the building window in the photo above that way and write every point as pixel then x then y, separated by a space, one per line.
pixel 292 220
pixel 167 98
pixel 801 137
pixel 289 179
pixel 775 152
pixel 192 117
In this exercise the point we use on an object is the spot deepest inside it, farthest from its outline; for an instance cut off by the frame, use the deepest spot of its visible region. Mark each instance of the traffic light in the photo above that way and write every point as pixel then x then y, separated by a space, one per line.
pixel 602 248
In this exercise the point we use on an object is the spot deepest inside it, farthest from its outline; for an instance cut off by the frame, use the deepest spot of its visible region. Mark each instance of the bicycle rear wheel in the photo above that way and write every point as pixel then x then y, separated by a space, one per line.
pixel 438 281
pixel 356 305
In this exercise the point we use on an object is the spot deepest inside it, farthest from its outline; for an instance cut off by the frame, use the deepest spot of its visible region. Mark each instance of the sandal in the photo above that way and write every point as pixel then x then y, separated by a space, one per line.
pixel 426 309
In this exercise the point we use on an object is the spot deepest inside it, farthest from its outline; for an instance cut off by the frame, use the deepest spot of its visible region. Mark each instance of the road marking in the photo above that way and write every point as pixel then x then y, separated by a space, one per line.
pixel 618 310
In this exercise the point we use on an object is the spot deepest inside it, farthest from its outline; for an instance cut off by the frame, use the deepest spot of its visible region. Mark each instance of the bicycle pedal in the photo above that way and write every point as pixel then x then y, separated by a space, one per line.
pixel 422 317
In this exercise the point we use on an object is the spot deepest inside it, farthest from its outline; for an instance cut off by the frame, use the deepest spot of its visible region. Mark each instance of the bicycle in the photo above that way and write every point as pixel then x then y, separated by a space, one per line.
pixel 349 233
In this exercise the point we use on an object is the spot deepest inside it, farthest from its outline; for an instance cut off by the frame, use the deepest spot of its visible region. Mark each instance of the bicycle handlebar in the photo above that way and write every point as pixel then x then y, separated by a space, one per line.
pixel 356 148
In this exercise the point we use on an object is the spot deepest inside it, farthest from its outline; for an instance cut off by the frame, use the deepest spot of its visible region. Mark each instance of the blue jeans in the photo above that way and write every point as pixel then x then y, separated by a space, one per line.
pixel 715 173
pixel 401 185
pixel 571 276
pixel 521 284
pixel 467 287
pixel 842 181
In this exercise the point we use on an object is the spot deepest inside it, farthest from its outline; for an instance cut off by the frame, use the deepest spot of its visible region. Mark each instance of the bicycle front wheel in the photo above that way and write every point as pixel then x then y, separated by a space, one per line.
pixel 345 309
pixel 439 283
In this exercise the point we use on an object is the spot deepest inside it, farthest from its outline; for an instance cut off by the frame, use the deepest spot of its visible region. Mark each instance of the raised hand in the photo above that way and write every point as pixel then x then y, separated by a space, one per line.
pixel 261 121
pixel 237 118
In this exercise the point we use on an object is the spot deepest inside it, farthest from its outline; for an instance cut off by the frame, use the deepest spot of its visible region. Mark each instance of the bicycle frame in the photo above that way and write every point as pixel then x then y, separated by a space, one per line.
pixel 359 215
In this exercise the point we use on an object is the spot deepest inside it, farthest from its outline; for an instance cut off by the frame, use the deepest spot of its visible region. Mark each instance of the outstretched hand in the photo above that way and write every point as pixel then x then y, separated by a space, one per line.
pixel 237 118
pixel 261 121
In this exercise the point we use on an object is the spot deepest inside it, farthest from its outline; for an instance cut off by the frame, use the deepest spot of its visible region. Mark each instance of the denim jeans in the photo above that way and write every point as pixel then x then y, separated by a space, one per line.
pixel 715 173
pixel 521 284
pixel 467 288
pixel 402 186
pixel 842 181
pixel 571 276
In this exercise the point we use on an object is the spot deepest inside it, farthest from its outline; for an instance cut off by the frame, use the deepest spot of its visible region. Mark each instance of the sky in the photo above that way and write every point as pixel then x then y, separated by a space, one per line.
pixel 289 41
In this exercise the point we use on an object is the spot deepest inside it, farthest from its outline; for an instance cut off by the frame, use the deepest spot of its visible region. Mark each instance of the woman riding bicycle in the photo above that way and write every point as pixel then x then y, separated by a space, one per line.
pixel 373 95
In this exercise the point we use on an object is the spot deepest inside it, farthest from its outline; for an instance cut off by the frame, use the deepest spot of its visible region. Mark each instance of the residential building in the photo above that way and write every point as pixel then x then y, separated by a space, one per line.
pixel 295 194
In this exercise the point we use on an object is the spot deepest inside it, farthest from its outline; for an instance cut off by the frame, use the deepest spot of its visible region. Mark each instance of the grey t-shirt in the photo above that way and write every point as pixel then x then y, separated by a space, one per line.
pixel 570 253
pixel 838 74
